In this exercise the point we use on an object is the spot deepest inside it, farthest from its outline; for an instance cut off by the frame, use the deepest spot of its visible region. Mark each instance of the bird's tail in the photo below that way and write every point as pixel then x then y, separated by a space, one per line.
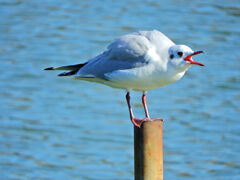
pixel 73 69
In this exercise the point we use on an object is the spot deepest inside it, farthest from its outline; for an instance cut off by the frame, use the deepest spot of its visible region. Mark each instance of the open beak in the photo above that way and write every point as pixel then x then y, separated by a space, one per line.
pixel 191 61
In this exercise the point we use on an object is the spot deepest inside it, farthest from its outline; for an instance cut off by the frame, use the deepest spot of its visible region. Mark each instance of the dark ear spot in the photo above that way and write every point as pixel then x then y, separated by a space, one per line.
pixel 171 56
pixel 180 54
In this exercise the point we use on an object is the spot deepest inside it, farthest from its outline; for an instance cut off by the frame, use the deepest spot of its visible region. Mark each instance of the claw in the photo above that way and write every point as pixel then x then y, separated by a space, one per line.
pixel 138 122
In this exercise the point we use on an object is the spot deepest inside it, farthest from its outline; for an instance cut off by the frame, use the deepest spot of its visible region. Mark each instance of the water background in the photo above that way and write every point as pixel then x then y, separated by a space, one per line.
pixel 57 128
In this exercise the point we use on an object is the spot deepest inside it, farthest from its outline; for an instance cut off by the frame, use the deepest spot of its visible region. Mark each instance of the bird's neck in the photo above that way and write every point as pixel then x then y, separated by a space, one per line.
pixel 181 68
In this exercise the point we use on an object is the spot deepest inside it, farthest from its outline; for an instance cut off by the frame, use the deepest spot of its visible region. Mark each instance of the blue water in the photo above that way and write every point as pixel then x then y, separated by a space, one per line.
pixel 57 128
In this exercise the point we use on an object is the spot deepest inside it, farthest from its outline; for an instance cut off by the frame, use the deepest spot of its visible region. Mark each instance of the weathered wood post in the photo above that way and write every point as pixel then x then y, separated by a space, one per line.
pixel 148 151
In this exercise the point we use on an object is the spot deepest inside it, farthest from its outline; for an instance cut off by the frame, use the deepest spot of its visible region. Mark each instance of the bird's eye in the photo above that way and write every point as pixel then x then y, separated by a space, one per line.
pixel 180 54
pixel 171 56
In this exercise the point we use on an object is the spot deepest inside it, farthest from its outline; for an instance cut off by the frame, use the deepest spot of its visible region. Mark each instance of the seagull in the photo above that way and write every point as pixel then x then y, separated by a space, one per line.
pixel 139 61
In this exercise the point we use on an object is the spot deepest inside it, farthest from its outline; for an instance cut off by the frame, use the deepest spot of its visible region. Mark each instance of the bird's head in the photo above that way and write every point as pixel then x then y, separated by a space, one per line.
pixel 180 56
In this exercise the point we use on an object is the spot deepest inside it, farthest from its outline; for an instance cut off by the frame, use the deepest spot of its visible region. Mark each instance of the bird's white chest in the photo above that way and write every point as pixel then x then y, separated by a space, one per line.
pixel 143 78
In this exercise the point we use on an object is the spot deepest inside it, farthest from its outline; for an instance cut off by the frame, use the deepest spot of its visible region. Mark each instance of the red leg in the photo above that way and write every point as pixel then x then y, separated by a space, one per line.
pixel 144 101
pixel 136 121
pixel 145 105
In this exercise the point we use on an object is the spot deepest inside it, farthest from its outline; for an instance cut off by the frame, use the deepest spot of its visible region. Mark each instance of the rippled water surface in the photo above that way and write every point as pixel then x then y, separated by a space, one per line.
pixel 57 128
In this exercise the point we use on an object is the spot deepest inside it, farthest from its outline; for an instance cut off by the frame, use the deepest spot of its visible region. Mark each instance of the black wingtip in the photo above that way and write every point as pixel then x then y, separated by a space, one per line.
pixel 62 74
pixel 49 68
pixel 69 73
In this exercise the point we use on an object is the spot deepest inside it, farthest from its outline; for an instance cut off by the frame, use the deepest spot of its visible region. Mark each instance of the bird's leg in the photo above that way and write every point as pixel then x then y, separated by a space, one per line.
pixel 137 122
pixel 144 101
pixel 145 105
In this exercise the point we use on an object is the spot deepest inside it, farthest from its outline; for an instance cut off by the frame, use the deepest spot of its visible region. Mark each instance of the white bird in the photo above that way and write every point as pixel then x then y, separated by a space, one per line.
pixel 139 61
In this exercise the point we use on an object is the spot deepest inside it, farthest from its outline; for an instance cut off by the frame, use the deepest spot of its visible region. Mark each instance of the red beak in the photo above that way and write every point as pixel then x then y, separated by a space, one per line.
pixel 189 58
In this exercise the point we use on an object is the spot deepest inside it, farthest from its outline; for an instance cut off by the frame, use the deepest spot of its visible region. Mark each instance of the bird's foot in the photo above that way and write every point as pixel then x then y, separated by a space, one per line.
pixel 138 122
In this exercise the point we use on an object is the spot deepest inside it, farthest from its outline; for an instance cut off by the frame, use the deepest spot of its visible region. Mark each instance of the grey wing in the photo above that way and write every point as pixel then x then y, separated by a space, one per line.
pixel 128 51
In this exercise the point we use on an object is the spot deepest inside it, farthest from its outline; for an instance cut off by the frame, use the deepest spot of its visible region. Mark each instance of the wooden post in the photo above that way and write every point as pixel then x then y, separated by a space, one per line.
pixel 148 151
